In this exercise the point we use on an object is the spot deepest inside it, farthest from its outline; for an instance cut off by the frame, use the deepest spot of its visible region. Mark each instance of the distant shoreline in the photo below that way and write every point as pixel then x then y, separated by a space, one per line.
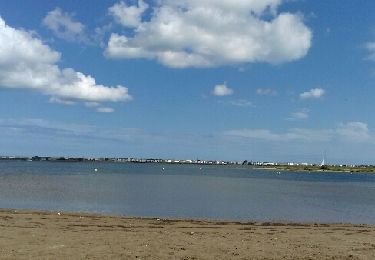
pixel 259 166
pixel 117 160
pixel 338 169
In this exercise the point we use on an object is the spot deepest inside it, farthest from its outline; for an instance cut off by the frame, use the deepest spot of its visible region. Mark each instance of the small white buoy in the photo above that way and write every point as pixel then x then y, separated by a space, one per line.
pixel 96 169
pixel 163 169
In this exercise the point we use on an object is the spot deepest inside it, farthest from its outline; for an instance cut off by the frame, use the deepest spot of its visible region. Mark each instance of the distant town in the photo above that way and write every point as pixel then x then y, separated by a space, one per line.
pixel 119 160
pixel 265 165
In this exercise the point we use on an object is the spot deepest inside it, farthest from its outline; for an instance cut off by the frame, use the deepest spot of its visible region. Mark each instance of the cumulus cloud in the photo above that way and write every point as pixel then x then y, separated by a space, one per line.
pixel 26 62
pixel 128 16
pixel 222 90
pixel 312 93
pixel 266 92
pixel 63 25
pixel 208 33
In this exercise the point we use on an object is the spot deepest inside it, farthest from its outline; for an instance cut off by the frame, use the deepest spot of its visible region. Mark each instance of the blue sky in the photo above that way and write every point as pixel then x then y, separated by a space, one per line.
pixel 262 80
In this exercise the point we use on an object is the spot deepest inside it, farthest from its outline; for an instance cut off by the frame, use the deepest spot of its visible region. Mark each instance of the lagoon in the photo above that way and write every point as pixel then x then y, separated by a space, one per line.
pixel 189 191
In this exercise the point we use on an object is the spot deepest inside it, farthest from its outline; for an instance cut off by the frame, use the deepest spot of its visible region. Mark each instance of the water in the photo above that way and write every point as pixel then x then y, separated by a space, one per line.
pixel 188 191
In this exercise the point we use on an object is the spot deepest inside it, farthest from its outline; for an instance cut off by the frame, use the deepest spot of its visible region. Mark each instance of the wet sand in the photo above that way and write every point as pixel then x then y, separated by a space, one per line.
pixel 52 235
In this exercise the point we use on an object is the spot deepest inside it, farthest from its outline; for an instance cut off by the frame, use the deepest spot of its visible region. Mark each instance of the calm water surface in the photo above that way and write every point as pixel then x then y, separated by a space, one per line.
pixel 192 191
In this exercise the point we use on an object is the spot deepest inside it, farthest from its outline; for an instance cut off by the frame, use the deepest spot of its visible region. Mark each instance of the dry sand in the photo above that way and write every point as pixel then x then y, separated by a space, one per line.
pixel 48 235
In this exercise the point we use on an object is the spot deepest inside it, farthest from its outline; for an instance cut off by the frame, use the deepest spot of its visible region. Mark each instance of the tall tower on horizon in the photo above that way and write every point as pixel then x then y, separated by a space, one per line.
pixel 324 159
pixel 323 162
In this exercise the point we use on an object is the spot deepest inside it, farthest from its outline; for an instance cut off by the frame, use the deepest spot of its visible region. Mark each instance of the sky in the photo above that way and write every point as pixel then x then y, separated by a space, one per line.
pixel 257 80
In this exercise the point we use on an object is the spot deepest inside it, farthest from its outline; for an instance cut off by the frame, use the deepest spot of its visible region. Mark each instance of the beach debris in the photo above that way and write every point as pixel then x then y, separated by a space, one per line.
pixel 58 213
pixel 158 219
pixel 192 233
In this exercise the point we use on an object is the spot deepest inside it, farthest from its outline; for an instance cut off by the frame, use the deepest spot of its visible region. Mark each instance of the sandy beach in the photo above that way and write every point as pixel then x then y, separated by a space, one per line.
pixel 62 235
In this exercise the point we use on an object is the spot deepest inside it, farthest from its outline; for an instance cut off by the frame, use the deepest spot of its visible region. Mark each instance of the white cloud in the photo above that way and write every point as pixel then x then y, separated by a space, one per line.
pixel 354 131
pixel 299 134
pixel 370 46
pixel 63 26
pixel 100 34
pixel 42 127
pixel 222 90
pixel 300 114
pixel 264 134
pixel 57 100
pixel 345 132
pixel 26 62
pixel 258 7
pixel 92 104
pixel 266 92
pixel 313 93
pixel 128 16
pixel 208 33
pixel 105 110
pixel 242 103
